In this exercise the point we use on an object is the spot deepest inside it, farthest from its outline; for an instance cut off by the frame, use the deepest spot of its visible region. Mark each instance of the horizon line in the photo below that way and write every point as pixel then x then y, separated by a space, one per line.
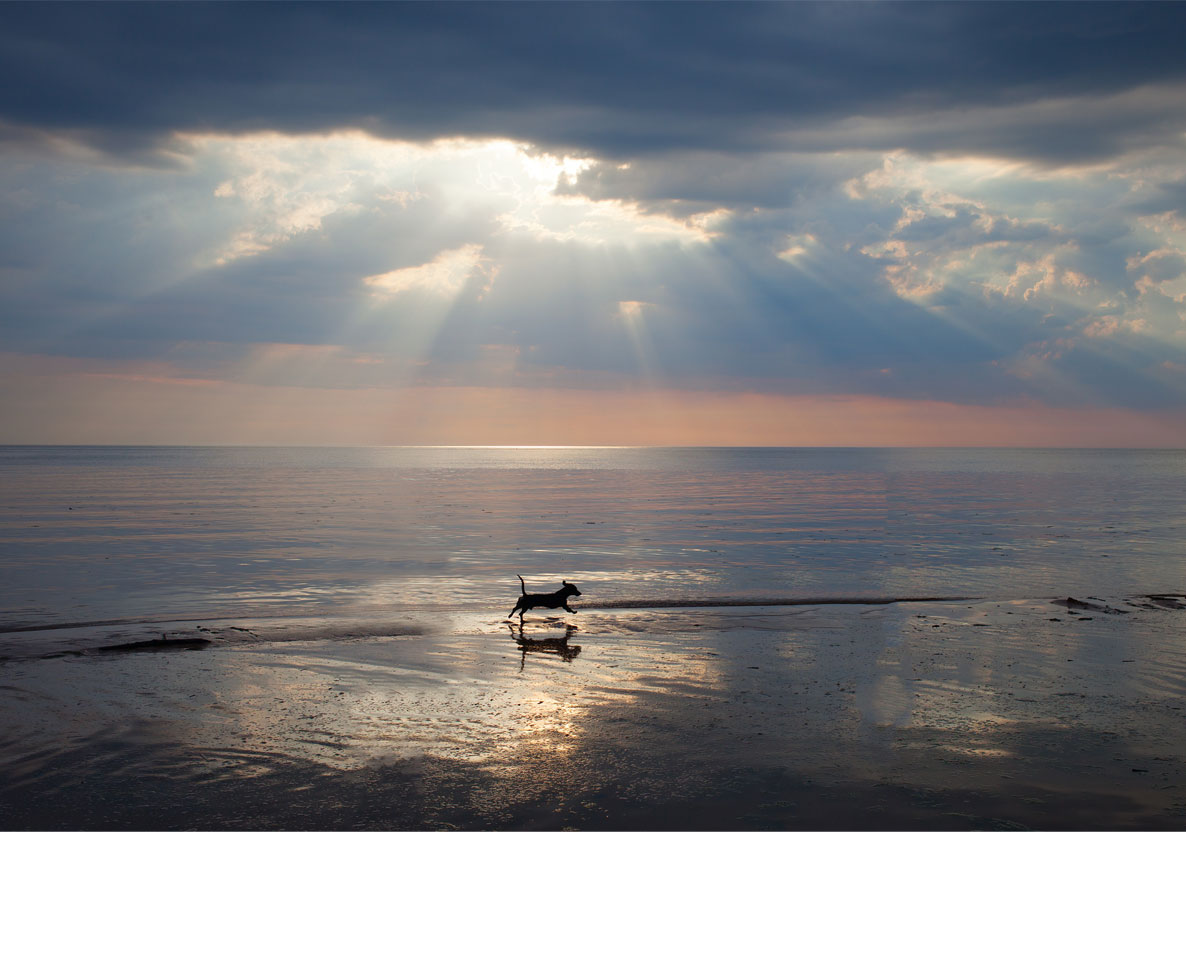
pixel 571 447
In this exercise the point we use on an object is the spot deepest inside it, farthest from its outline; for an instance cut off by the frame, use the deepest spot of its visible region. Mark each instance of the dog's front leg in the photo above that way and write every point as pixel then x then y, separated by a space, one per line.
pixel 569 608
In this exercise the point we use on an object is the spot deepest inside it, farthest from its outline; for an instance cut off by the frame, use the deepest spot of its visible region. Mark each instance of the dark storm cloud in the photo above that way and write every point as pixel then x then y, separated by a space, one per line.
pixel 687 183
pixel 615 80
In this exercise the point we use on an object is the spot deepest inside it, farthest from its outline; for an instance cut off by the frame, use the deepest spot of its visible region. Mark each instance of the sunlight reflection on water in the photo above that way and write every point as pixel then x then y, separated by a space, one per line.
pixel 649 710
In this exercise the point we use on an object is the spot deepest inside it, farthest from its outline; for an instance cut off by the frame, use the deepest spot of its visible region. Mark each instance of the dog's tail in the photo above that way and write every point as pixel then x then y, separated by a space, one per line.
pixel 522 585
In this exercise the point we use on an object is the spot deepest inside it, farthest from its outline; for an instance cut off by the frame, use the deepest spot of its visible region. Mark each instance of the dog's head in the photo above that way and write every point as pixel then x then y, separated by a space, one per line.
pixel 569 589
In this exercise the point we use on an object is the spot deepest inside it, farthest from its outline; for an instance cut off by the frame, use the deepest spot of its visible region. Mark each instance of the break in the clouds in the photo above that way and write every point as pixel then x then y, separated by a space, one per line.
pixel 762 211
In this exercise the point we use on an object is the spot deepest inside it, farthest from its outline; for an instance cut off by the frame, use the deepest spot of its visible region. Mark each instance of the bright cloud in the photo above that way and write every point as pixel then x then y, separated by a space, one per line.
pixel 444 276
pixel 283 186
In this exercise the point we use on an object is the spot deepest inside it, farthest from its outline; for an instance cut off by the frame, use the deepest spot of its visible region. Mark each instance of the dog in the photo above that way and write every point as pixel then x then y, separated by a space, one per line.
pixel 547 601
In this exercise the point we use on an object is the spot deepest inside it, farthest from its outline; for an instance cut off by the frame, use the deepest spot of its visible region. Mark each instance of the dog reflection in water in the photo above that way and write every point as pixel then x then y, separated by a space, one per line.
pixel 559 646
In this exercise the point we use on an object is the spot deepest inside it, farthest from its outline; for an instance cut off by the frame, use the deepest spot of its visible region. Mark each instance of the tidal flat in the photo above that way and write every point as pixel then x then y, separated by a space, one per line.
pixel 1039 714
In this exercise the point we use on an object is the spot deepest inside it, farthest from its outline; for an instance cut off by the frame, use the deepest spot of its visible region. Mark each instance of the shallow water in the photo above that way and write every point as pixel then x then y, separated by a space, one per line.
pixel 767 639
pixel 108 533
pixel 950 716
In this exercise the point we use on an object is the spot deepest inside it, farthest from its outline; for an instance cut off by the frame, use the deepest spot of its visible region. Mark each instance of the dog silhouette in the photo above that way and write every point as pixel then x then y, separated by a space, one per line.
pixel 546 601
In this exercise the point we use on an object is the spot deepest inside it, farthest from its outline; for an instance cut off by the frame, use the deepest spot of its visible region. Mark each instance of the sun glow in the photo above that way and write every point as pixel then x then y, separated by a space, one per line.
pixel 284 186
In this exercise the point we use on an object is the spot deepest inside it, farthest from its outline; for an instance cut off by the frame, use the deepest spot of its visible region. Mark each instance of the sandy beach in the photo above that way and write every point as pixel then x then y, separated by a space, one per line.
pixel 960 715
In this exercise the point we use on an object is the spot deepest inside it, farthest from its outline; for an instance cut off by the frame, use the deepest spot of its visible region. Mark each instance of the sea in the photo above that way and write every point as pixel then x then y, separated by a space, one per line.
pixel 766 639
pixel 96 535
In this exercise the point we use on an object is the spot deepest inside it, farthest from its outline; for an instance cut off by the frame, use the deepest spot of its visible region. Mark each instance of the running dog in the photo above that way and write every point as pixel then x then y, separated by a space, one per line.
pixel 547 601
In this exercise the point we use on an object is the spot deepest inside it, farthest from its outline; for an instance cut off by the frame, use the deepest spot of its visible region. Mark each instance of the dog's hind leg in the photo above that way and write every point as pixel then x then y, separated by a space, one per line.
pixel 519 602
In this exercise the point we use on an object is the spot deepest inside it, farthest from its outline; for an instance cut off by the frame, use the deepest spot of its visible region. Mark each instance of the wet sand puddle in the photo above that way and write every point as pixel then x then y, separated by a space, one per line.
pixel 894 715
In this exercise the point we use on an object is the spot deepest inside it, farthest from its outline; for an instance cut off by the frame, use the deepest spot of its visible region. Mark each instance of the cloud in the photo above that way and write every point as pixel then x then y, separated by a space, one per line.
pixel 444 276
pixel 932 205
pixel 618 80
pixel 276 238
pixel 895 274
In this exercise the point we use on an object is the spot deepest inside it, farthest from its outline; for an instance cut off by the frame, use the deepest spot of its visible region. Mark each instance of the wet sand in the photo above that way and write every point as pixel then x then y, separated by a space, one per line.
pixel 1037 714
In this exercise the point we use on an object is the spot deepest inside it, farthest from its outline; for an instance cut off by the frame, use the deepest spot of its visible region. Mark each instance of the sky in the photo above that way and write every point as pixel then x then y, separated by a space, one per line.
pixel 593 224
